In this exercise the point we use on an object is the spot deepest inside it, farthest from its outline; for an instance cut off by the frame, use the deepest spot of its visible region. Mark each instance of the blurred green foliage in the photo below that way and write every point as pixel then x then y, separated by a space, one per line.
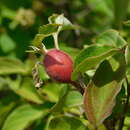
pixel 22 106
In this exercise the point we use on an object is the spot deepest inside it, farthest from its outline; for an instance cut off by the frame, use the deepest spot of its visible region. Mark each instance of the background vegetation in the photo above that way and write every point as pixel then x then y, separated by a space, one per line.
pixel 21 105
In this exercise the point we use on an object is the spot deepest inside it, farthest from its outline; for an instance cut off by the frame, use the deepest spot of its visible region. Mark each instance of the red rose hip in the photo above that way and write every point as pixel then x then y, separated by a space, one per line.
pixel 58 65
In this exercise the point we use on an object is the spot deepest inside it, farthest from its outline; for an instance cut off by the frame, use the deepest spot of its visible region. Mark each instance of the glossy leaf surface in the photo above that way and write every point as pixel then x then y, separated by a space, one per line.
pixel 22 116
pixel 90 57
pixel 99 97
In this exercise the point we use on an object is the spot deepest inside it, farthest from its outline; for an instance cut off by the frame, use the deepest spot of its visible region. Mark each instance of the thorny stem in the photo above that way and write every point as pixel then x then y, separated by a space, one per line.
pixel 125 106
pixel 55 36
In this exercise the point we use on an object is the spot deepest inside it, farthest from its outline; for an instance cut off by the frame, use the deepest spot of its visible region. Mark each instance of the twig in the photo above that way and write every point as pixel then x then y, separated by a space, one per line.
pixel 78 87
pixel 125 106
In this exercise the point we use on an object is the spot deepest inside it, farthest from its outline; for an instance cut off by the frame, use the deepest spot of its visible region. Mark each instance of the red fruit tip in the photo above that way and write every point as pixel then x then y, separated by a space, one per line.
pixel 58 65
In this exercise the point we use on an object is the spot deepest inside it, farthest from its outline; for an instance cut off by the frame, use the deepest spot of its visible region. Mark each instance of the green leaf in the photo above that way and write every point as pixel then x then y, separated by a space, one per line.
pixel 56 24
pixel 67 99
pixel 119 107
pixel 102 6
pixel 11 66
pixel 52 91
pixel 3 83
pixel 120 11
pixel 7 13
pixel 66 123
pixel 22 116
pixel 7 103
pixel 38 39
pixel 91 51
pixel 26 89
pixel 5 110
pixel 42 73
pixel 73 52
pixel 6 43
pixel 48 29
pixel 127 122
pixel 111 38
pixel 90 57
pixel 63 21
pixel 58 107
pixel 100 94
pixel 74 98
pixel 45 31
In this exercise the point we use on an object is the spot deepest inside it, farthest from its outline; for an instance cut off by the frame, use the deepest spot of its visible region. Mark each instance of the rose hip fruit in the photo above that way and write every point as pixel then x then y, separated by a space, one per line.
pixel 58 65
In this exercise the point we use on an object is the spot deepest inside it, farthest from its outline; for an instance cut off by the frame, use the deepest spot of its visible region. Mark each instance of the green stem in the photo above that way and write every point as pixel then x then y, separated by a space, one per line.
pixel 55 36
pixel 44 50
